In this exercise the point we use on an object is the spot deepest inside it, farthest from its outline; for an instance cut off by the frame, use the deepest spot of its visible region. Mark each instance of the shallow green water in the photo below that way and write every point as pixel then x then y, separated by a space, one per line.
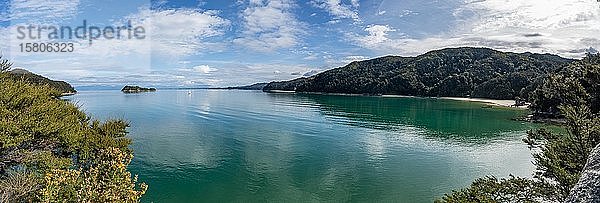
pixel 231 146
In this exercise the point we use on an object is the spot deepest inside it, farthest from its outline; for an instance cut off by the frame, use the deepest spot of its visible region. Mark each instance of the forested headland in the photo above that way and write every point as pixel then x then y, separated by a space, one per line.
pixel 462 72
pixel 61 86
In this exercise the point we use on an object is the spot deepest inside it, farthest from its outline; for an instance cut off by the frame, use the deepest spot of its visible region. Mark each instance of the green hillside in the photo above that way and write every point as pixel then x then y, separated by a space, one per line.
pixel 61 86
pixel 458 72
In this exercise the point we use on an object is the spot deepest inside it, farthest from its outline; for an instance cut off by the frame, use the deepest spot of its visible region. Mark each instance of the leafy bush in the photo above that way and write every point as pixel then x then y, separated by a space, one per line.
pixel 50 142
pixel 107 181
pixel 513 189
pixel 4 65
pixel 563 157
pixel 18 186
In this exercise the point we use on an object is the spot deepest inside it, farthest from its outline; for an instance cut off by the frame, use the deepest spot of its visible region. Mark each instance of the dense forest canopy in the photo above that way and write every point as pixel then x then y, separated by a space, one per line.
pixel 576 84
pixel 545 80
pixel 460 72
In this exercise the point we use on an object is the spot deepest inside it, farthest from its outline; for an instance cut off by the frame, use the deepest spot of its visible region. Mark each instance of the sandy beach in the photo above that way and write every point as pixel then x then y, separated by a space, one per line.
pixel 494 102
pixel 505 103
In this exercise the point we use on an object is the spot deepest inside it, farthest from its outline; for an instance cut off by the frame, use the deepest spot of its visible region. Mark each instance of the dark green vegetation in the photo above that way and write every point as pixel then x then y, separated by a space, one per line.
pixel 61 86
pixel 136 89
pixel 457 72
pixel 545 80
pixel 50 151
pixel 576 84
pixel 560 158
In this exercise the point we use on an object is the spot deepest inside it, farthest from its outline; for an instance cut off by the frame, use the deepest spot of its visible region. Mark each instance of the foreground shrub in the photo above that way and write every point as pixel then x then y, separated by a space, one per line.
pixel 51 151
pixel 108 181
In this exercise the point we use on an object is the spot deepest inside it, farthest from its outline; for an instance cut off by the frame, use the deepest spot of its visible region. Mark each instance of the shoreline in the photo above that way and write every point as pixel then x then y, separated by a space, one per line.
pixel 66 94
pixel 493 102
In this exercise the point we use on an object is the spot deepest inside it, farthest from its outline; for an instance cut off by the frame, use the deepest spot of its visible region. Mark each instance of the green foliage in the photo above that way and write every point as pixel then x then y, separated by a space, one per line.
pixel 513 189
pixel 555 91
pixel 475 72
pixel 61 86
pixel 563 157
pixel 4 65
pixel 18 186
pixel 454 86
pixel 497 88
pixel 575 84
pixel 106 181
pixel 52 137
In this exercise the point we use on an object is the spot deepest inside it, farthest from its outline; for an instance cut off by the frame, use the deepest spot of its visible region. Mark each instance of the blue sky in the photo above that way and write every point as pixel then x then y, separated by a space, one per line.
pixel 237 42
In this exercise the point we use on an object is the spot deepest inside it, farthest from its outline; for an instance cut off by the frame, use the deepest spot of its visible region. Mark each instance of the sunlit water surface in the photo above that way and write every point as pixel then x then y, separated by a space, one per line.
pixel 231 146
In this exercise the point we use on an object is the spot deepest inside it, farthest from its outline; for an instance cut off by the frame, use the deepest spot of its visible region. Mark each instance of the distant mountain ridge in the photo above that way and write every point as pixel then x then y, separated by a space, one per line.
pixel 63 87
pixel 256 86
pixel 451 72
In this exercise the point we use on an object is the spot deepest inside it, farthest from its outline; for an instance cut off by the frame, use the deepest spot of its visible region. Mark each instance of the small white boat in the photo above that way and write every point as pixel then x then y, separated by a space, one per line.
pixel 189 92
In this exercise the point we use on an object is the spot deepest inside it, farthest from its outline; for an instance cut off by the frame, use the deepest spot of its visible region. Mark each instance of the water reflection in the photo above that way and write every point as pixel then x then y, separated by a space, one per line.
pixel 456 120
pixel 224 146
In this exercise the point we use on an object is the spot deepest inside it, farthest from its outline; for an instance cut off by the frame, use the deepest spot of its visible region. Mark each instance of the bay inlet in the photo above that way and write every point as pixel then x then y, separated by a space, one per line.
pixel 228 145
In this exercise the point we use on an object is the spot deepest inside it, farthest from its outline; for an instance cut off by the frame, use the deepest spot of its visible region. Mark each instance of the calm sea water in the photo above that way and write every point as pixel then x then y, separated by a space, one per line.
pixel 231 146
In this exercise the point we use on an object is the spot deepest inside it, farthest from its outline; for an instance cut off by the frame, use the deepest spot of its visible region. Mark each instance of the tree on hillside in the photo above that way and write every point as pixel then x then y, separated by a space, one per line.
pixel 4 65
pixel 562 157
pixel 557 90
pixel 576 84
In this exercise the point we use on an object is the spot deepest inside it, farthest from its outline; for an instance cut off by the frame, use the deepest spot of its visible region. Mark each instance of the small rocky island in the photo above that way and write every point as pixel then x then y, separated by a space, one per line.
pixel 136 89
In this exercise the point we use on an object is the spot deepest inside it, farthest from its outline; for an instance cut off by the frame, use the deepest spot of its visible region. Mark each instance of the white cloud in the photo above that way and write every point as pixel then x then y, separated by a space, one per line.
pixel 339 10
pixel 377 35
pixel 42 10
pixel 533 14
pixel 564 27
pixel 4 37
pixel 269 25
pixel 349 59
pixel 179 32
pixel 173 33
pixel 204 69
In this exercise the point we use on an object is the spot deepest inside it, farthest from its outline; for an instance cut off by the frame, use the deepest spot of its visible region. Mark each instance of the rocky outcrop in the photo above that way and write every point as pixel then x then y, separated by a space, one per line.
pixel 588 187
pixel 136 89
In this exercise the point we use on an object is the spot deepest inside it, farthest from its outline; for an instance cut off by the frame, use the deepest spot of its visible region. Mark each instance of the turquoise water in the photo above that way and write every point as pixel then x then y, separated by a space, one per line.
pixel 231 146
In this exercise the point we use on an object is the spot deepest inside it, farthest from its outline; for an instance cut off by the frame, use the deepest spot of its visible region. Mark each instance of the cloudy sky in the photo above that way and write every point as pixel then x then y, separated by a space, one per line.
pixel 235 42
